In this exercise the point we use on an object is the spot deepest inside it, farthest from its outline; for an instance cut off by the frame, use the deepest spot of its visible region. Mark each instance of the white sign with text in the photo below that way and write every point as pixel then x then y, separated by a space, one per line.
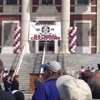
pixel 46 31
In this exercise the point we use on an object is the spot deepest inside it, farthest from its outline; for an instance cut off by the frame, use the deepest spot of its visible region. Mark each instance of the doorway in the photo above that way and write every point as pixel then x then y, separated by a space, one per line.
pixel 49 45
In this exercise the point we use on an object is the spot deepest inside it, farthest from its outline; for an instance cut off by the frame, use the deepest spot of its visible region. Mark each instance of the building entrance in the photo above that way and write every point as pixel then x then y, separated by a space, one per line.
pixel 49 45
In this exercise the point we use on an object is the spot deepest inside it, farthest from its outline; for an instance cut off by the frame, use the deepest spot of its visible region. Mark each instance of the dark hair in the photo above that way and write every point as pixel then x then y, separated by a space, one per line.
pixel 16 76
pixel 92 68
pixel 82 66
pixel 8 76
pixel 94 83
pixel 19 95
pixel 38 74
pixel 1 66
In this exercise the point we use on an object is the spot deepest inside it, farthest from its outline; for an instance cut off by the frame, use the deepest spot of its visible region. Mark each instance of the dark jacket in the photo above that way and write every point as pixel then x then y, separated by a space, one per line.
pixel 7 85
pixel 4 95
pixel 47 91
pixel 15 85
pixel 37 82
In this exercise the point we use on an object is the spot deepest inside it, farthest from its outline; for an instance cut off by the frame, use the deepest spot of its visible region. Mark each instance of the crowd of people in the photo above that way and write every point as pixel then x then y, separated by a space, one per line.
pixel 58 84
pixel 68 84
pixel 11 84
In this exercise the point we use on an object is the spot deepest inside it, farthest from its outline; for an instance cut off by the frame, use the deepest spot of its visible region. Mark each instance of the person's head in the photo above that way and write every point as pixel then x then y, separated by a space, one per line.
pixel 88 68
pixel 94 83
pixel 51 69
pixel 1 70
pixel 5 70
pixel 8 77
pixel 12 69
pixel 71 72
pixel 82 67
pixel 92 68
pixel 16 77
pixel 18 95
pixel 73 89
pixel 39 76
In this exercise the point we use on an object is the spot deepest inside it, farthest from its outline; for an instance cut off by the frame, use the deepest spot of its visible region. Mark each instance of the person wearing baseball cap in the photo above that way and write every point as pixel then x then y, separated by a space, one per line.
pixel 48 89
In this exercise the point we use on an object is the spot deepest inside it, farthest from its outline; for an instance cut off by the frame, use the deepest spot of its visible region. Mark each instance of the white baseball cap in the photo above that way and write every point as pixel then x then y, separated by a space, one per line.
pixel 54 66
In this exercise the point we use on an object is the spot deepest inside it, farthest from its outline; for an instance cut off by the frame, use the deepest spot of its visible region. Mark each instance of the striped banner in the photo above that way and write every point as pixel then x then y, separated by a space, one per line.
pixel 72 39
pixel 17 37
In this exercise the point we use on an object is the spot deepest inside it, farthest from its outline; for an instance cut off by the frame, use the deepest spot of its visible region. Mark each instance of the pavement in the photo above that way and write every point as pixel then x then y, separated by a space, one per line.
pixel 28 96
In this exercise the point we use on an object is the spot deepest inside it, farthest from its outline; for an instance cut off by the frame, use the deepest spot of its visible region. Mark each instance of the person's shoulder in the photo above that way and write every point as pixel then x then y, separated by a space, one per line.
pixel 49 81
pixel 6 95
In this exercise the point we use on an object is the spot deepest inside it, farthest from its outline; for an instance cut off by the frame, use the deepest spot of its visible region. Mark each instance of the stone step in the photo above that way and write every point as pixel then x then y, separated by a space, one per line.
pixel 31 62
pixel 9 60
pixel 28 96
pixel 72 60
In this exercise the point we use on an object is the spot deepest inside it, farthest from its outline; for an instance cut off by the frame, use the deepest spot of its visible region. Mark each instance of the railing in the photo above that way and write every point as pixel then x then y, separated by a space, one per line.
pixel 17 67
pixel 41 70
pixel 64 56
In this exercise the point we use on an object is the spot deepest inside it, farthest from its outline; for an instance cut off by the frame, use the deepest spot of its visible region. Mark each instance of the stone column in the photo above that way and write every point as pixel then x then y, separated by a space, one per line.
pixel 98 26
pixel 56 46
pixel 36 46
pixel 25 21
pixel 65 24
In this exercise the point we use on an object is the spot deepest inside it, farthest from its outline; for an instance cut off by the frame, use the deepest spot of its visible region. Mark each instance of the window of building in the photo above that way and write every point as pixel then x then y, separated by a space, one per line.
pixel 82 1
pixel 47 2
pixel 11 2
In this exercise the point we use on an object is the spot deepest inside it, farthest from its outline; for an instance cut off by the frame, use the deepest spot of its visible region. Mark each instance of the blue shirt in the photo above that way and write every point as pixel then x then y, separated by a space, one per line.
pixel 47 91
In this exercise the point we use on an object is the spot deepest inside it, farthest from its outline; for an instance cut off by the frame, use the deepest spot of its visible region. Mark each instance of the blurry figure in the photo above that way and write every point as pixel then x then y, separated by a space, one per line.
pixel 18 95
pixel 11 72
pixel 4 95
pixel 8 83
pixel 38 81
pixel 73 89
pixel 94 83
pixel 0 87
pixel 82 69
pixel 98 66
pixel 15 83
pixel 4 76
pixel 5 73
pixel 92 70
pixel 88 69
pixel 86 75
pixel 71 72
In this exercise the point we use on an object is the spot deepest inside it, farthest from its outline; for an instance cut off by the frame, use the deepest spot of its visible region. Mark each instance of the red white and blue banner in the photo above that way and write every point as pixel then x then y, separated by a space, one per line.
pixel 39 31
